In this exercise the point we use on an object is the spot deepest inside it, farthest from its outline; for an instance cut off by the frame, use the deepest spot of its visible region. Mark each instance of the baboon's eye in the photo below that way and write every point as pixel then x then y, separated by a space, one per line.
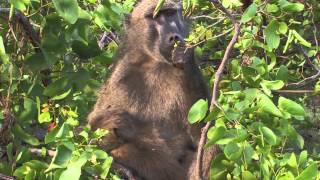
pixel 168 12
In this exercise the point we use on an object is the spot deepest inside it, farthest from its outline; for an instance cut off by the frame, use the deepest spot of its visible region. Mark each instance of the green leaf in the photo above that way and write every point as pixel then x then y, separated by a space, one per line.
pixel 3 56
pixel 283 28
pixel 247 175
pixel 57 87
pixel 265 104
pixel 249 13
pixel 272 8
pixel 106 167
pixel 86 50
pixel 216 133
pixel 62 96
pixel 309 173
pixel 158 7
pixel 286 176
pixel 37 62
pixel 51 136
pixel 317 87
pixel 273 85
pixel 292 108
pixel 44 117
pixel 232 151
pixel 198 111
pixel 268 135
pixel 29 110
pixel 61 158
pixel 67 9
pixel 301 39
pixel 20 4
pixel 272 38
pixel 24 136
pixel 220 167
pixel 283 73
pixel 289 40
pixel 73 171
pixel 303 157
pixel 100 154
pixel 273 62
pixel 291 7
pixel 292 161
pixel 64 131
pixel 36 165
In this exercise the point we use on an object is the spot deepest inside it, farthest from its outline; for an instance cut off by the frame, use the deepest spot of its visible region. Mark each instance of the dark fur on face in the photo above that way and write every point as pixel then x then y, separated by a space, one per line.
pixel 145 102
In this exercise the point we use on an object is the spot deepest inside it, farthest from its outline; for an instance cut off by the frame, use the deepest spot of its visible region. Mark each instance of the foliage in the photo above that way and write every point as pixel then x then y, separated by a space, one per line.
pixel 256 125
pixel 50 89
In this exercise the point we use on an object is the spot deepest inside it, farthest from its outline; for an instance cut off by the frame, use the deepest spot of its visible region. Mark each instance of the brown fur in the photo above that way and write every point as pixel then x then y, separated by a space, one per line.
pixel 145 102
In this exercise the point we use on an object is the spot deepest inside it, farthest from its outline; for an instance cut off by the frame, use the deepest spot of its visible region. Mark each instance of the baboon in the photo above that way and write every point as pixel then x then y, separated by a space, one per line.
pixel 145 102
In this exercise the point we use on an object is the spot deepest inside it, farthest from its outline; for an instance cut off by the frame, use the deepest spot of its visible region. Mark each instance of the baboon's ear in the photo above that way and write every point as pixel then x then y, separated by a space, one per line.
pixel 127 20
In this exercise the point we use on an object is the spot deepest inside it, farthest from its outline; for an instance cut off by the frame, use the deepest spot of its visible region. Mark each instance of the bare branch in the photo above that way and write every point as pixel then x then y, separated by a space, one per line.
pixel 206 16
pixel 306 80
pixel 305 54
pixel 215 90
pixel 294 91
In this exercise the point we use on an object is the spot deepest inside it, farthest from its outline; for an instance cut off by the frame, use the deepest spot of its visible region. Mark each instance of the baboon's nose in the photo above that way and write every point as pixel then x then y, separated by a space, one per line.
pixel 175 38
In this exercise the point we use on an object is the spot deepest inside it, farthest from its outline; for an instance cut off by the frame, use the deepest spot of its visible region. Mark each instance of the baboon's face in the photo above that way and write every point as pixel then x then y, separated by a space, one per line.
pixel 171 28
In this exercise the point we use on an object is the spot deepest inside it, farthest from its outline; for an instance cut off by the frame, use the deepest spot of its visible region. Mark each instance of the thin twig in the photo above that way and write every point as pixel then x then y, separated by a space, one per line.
pixel 305 54
pixel 315 32
pixel 214 37
pixel 215 90
pixel 206 16
pixel 306 80
pixel 294 91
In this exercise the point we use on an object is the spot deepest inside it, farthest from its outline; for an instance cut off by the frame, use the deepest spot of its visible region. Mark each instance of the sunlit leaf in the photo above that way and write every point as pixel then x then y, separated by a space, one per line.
pixel 198 111
pixel 61 158
pixel 292 107
pixel 272 38
pixel 309 173
pixel 249 13
pixel 268 135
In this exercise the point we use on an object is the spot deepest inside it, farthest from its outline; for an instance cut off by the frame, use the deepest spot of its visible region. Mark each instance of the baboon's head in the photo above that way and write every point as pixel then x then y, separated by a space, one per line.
pixel 159 33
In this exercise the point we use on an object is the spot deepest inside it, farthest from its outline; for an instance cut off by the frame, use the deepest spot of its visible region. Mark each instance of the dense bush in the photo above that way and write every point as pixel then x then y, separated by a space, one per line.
pixel 55 54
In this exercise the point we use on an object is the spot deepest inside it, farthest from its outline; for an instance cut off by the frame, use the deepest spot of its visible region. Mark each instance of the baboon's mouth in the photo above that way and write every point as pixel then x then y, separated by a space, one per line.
pixel 178 54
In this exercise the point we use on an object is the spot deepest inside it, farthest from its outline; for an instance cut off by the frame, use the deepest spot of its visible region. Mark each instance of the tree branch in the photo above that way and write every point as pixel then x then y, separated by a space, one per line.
pixel 24 21
pixel 215 91
pixel 288 91
pixel 306 80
